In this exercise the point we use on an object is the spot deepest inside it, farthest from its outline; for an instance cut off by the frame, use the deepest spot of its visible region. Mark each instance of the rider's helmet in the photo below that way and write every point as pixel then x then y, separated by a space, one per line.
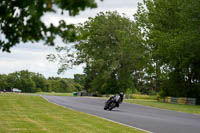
pixel 121 94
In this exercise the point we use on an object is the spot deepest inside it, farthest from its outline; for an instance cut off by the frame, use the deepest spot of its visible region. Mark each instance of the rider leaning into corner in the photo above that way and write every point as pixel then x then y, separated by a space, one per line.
pixel 118 99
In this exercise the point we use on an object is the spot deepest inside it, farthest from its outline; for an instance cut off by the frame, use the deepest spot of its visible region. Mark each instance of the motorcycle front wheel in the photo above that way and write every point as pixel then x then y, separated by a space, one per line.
pixel 112 105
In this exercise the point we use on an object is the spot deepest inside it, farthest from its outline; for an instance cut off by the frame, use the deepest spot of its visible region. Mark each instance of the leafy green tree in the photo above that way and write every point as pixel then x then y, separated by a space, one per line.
pixel 170 29
pixel 58 84
pixel 21 80
pixel 73 86
pixel 11 81
pixel 40 82
pixel 52 85
pixel 20 20
pixel 3 82
pixel 80 78
pixel 111 47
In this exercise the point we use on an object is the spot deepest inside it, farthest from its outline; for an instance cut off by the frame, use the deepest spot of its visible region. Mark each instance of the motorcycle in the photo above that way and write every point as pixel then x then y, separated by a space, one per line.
pixel 113 102
pixel 110 104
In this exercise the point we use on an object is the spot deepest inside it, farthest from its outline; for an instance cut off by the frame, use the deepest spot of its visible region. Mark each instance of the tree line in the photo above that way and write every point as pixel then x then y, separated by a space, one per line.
pixel 36 82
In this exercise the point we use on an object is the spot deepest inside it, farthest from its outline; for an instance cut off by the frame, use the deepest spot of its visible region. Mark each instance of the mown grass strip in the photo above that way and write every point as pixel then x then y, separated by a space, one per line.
pixel 33 114
pixel 194 109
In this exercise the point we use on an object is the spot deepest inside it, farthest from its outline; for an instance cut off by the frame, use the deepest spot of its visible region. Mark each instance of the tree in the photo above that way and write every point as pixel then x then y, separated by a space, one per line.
pixel 80 78
pixel 40 82
pixel 20 20
pixel 57 84
pixel 3 82
pixel 21 80
pixel 171 32
pixel 110 45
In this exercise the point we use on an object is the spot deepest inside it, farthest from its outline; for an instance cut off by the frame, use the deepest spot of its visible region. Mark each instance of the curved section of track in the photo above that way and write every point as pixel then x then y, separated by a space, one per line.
pixel 147 118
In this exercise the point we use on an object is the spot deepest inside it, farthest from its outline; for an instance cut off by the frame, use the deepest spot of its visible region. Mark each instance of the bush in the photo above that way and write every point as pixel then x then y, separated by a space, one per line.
pixel 129 91
pixel 36 90
pixel 140 96
pixel 152 92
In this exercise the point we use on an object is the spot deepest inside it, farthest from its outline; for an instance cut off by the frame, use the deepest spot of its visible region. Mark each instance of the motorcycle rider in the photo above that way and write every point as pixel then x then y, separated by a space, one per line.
pixel 118 99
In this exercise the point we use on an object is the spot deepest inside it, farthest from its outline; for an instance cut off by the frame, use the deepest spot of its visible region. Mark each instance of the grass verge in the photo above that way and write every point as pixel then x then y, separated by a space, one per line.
pixel 194 109
pixel 33 114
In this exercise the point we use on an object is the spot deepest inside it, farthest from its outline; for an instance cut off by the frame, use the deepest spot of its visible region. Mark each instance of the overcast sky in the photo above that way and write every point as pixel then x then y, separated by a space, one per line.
pixel 32 57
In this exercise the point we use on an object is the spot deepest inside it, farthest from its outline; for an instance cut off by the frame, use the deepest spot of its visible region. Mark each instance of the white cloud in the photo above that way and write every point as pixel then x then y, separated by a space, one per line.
pixel 128 7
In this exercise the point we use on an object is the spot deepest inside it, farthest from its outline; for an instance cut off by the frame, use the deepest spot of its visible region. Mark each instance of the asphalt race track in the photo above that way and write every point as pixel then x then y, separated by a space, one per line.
pixel 146 118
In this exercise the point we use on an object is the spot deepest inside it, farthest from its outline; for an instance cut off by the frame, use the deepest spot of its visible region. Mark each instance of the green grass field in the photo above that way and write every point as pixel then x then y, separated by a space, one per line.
pixel 33 114
pixel 194 109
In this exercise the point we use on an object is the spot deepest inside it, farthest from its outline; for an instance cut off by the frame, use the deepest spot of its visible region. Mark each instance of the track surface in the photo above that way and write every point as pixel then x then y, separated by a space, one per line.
pixel 147 118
